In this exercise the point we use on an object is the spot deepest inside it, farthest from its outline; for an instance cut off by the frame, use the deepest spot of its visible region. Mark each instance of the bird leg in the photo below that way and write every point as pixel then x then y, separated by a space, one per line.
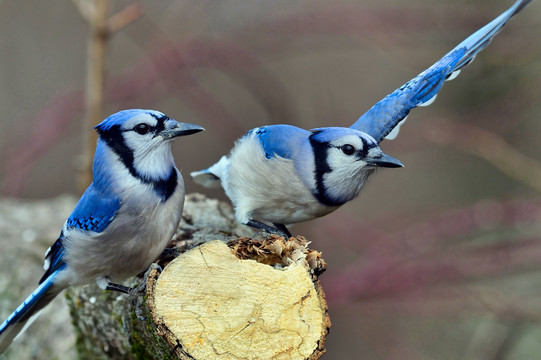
pixel 134 292
pixel 280 229
pixel 109 285
pixel 106 284
pixel 169 253
pixel 283 229
pixel 137 301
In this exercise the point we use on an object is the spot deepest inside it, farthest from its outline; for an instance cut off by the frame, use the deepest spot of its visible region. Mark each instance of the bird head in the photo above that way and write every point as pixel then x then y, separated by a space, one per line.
pixel 142 140
pixel 343 160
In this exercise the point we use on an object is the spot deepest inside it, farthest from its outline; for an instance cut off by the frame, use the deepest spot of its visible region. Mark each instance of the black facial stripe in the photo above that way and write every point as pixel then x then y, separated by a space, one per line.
pixel 114 139
pixel 160 126
pixel 362 152
pixel 321 168
pixel 366 146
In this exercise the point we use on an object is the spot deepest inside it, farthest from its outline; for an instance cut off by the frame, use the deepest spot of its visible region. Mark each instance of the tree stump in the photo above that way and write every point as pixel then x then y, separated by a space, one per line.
pixel 238 298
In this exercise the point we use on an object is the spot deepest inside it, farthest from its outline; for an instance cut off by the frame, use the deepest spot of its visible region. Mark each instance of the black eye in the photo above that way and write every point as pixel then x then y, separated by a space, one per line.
pixel 348 149
pixel 142 128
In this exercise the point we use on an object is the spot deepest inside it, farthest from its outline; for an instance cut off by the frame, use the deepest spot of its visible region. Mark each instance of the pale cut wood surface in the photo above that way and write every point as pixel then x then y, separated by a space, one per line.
pixel 221 307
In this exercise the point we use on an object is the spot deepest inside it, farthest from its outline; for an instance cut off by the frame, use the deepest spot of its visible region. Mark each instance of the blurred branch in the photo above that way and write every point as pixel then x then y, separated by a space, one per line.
pixel 87 9
pixel 124 17
pixel 488 146
pixel 95 86
pixel 101 28
pixel 90 9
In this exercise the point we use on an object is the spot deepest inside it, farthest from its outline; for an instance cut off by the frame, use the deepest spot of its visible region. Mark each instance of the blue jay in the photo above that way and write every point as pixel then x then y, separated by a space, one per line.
pixel 125 218
pixel 282 174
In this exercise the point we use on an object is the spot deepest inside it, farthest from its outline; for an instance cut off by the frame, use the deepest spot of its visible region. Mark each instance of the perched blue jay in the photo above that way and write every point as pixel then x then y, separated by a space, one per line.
pixel 282 174
pixel 125 218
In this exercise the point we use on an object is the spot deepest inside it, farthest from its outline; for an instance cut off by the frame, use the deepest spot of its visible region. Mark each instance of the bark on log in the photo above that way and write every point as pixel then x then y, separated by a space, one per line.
pixel 248 299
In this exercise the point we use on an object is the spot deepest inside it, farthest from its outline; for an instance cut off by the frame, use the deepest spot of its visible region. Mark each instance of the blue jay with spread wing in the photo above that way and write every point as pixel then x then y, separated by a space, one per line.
pixel 125 218
pixel 281 174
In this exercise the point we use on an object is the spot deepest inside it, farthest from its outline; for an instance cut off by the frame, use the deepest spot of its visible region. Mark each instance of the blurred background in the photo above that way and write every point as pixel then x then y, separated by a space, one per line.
pixel 438 260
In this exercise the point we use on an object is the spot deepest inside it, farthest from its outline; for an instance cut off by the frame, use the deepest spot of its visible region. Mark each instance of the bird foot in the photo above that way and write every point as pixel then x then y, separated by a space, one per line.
pixel 279 229
pixel 133 292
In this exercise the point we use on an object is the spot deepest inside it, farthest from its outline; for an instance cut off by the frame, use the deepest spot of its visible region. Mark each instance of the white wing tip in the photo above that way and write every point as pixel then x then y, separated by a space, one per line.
pixel 394 132
pixel 453 75
pixel 429 101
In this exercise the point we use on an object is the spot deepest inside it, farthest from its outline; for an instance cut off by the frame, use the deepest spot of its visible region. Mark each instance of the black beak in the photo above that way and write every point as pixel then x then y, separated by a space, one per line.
pixel 180 129
pixel 384 160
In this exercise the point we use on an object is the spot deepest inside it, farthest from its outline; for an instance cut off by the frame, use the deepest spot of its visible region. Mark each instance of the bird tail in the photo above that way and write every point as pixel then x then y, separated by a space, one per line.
pixel 212 176
pixel 15 323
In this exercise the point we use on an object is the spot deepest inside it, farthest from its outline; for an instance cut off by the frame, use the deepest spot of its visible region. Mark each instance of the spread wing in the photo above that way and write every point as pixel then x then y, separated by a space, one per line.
pixel 383 120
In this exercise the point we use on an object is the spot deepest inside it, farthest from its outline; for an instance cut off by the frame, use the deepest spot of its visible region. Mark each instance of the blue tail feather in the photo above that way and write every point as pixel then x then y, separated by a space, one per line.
pixel 40 297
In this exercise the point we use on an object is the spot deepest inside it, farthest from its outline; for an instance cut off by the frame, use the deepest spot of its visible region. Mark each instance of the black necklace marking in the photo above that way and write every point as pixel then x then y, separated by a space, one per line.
pixel 166 187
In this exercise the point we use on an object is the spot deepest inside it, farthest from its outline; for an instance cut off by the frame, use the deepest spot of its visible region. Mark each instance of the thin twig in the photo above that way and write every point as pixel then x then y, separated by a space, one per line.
pixel 95 87
pixel 124 17
pixel 86 8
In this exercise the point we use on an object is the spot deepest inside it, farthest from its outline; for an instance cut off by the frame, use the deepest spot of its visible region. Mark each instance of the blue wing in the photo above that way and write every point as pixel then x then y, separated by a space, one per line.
pixel 53 258
pixel 279 140
pixel 94 211
pixel 389 112
pixel 276 140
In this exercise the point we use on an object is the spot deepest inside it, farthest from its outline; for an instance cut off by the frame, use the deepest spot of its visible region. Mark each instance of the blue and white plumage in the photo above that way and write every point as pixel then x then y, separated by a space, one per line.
pixel 282 174
pixel 125 218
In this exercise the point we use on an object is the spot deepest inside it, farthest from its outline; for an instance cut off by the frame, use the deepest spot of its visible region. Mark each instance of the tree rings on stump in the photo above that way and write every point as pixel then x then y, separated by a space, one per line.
pixel 248 299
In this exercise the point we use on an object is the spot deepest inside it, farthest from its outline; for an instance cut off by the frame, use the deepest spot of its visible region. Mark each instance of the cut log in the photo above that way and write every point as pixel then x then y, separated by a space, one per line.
pixel 237 298
pixel 212 305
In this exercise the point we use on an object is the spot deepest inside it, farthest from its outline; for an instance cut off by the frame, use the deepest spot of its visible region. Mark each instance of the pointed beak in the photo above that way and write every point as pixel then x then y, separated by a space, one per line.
pixel 175 129
pixel 384 160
